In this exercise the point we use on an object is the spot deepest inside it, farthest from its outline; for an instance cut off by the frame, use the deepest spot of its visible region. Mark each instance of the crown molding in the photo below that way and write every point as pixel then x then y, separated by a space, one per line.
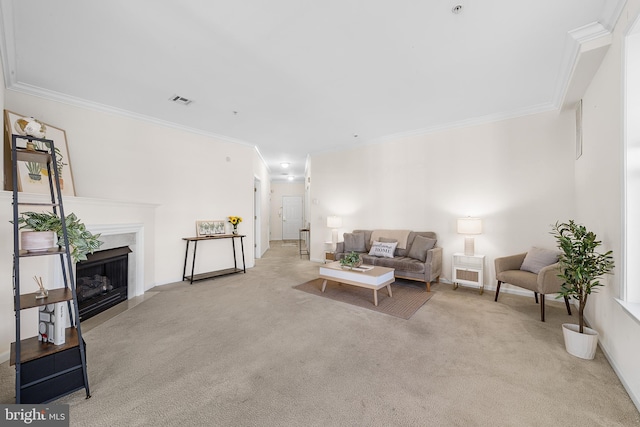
pixel 588 33
pixel 7 44
pixel 584 51
pixel 475 121
pixel 458 124
pixel 83 103
pixel 264 162
pixel 613 14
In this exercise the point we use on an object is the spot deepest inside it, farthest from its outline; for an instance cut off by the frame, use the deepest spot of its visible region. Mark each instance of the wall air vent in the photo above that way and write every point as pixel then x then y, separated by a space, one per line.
pixel 180 100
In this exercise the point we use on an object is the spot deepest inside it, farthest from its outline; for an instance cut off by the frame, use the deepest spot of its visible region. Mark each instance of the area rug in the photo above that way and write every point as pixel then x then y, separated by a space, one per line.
pixel 406 300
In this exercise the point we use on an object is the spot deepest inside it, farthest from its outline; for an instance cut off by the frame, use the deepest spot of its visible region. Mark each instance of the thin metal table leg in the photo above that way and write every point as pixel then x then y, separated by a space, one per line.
pixel 193 263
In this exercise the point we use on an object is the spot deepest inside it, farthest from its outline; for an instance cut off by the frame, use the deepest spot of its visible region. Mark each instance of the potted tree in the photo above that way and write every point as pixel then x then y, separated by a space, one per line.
pixel 81 241
pixel 581 269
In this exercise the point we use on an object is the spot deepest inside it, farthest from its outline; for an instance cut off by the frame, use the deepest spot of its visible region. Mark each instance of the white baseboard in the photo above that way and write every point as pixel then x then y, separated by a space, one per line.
pixel 634 398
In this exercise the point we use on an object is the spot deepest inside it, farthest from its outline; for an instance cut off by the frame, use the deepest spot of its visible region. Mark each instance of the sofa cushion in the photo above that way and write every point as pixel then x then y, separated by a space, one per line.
pixel 369 259
pixel 419 248
pixel 524 279
pixel 403 252
pixel 354 242
pixel 538 258
pixel 402 264
pixel 381 249
pixel 400 235
pixel 367 239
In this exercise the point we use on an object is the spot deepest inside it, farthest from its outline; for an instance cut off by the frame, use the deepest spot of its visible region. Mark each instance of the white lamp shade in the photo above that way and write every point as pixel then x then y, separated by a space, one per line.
pixel 469 226
pixel 334 222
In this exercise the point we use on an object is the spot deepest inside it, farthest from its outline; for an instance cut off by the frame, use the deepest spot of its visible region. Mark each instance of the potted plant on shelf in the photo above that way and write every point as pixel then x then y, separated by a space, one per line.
pixel 581 269
pixel 351 260
pixel 81 241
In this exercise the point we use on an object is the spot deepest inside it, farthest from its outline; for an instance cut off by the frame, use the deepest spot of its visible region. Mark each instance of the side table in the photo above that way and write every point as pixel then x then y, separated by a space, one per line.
pixel 202 276
pixel 304 237
pixel 468 270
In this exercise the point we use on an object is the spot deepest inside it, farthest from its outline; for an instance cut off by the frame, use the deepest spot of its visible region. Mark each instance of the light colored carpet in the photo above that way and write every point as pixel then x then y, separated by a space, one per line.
pixel 407 297
pixel 249 350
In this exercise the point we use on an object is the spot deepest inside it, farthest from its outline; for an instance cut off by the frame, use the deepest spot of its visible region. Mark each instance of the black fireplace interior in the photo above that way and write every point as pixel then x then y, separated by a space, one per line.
pixel 101 281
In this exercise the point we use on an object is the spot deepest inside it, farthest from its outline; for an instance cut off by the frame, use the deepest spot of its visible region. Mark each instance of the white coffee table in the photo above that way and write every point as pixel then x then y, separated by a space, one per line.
pixel 374 278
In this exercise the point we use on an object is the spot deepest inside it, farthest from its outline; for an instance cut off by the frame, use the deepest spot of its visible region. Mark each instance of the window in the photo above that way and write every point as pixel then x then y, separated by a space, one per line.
pixel 630 295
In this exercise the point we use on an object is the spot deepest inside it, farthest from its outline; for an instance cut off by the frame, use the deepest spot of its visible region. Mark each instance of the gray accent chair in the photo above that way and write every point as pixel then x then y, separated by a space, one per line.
pixel 545 282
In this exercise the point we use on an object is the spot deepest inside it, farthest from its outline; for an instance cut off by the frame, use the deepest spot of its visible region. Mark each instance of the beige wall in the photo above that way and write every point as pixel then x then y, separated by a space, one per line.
pixel 261 174
pixel 517 175
pixel 189 176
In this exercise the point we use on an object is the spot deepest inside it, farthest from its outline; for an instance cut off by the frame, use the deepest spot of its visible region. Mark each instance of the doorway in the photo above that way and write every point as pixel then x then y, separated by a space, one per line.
pixel 257 190
pixel 292 217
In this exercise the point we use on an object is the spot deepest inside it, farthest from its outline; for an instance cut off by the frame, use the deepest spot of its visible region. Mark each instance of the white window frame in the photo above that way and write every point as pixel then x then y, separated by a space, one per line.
pixel 630 292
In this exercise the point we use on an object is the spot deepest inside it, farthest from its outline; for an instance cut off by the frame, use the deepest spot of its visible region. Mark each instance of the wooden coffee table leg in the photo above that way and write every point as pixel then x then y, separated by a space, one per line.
pixel 324 284
pixel 375 297
pixel 389 289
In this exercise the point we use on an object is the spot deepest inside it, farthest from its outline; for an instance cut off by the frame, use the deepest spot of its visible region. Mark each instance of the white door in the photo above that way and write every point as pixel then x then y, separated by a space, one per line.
pixel 291 217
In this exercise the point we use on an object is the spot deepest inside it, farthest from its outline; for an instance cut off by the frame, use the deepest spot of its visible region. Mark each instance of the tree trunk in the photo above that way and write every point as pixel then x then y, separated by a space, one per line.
pixel 583 303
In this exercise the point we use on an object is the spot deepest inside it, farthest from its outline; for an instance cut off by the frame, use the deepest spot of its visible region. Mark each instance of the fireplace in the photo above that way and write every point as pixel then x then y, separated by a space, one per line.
pixel 102 281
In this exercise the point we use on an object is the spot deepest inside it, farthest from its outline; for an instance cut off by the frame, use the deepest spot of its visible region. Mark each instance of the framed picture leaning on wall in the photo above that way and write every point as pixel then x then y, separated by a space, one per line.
pixel 32 177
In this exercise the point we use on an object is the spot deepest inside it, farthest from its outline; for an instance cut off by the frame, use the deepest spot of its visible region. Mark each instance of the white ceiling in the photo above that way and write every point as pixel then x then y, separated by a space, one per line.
pixel 294 77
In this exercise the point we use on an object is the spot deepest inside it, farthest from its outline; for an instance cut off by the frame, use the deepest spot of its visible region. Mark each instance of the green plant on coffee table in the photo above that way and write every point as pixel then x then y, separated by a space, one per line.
pixel 351 260
pixel 81 241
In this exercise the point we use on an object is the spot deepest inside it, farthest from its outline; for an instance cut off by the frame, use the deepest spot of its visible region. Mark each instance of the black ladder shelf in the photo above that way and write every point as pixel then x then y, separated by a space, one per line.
pixel 45 371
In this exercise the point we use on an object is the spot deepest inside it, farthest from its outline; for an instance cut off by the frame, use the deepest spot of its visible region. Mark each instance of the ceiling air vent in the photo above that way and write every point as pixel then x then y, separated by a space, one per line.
pixel 180 100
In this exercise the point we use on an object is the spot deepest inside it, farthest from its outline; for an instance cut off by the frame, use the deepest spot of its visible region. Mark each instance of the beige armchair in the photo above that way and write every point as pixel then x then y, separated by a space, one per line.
pixel 545 282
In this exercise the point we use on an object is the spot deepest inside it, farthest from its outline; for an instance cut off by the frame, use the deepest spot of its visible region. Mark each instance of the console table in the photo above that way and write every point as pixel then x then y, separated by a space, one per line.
pixel 202 276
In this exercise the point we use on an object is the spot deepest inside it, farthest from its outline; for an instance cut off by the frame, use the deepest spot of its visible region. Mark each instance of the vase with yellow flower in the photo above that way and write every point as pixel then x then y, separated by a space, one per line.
pixel 235 220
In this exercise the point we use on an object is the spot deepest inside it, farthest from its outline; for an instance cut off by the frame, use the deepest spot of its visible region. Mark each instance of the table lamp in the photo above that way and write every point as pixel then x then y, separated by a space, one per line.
pixel 469 226
pixel 334 222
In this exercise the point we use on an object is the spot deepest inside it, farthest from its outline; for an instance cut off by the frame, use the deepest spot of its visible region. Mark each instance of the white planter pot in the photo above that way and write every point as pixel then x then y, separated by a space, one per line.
pixel 580 345
pixel 37 241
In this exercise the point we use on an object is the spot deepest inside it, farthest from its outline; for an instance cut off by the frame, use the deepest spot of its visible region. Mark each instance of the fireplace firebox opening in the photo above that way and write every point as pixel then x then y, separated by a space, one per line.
pixel 102 281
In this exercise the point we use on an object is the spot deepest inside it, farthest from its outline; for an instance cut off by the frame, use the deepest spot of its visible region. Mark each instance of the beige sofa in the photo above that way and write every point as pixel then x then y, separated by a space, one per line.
pixel 425 265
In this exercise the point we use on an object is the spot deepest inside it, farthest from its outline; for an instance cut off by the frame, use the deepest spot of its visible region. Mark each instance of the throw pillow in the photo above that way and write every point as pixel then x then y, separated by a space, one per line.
pixel 389 240
pixel 354 242
pixel 538 258
pixel 420 246
pixel 382 249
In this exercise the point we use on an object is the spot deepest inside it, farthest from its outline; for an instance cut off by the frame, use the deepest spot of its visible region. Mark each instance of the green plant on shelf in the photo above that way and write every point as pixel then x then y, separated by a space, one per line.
pixel 60 164
pixel 81 240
